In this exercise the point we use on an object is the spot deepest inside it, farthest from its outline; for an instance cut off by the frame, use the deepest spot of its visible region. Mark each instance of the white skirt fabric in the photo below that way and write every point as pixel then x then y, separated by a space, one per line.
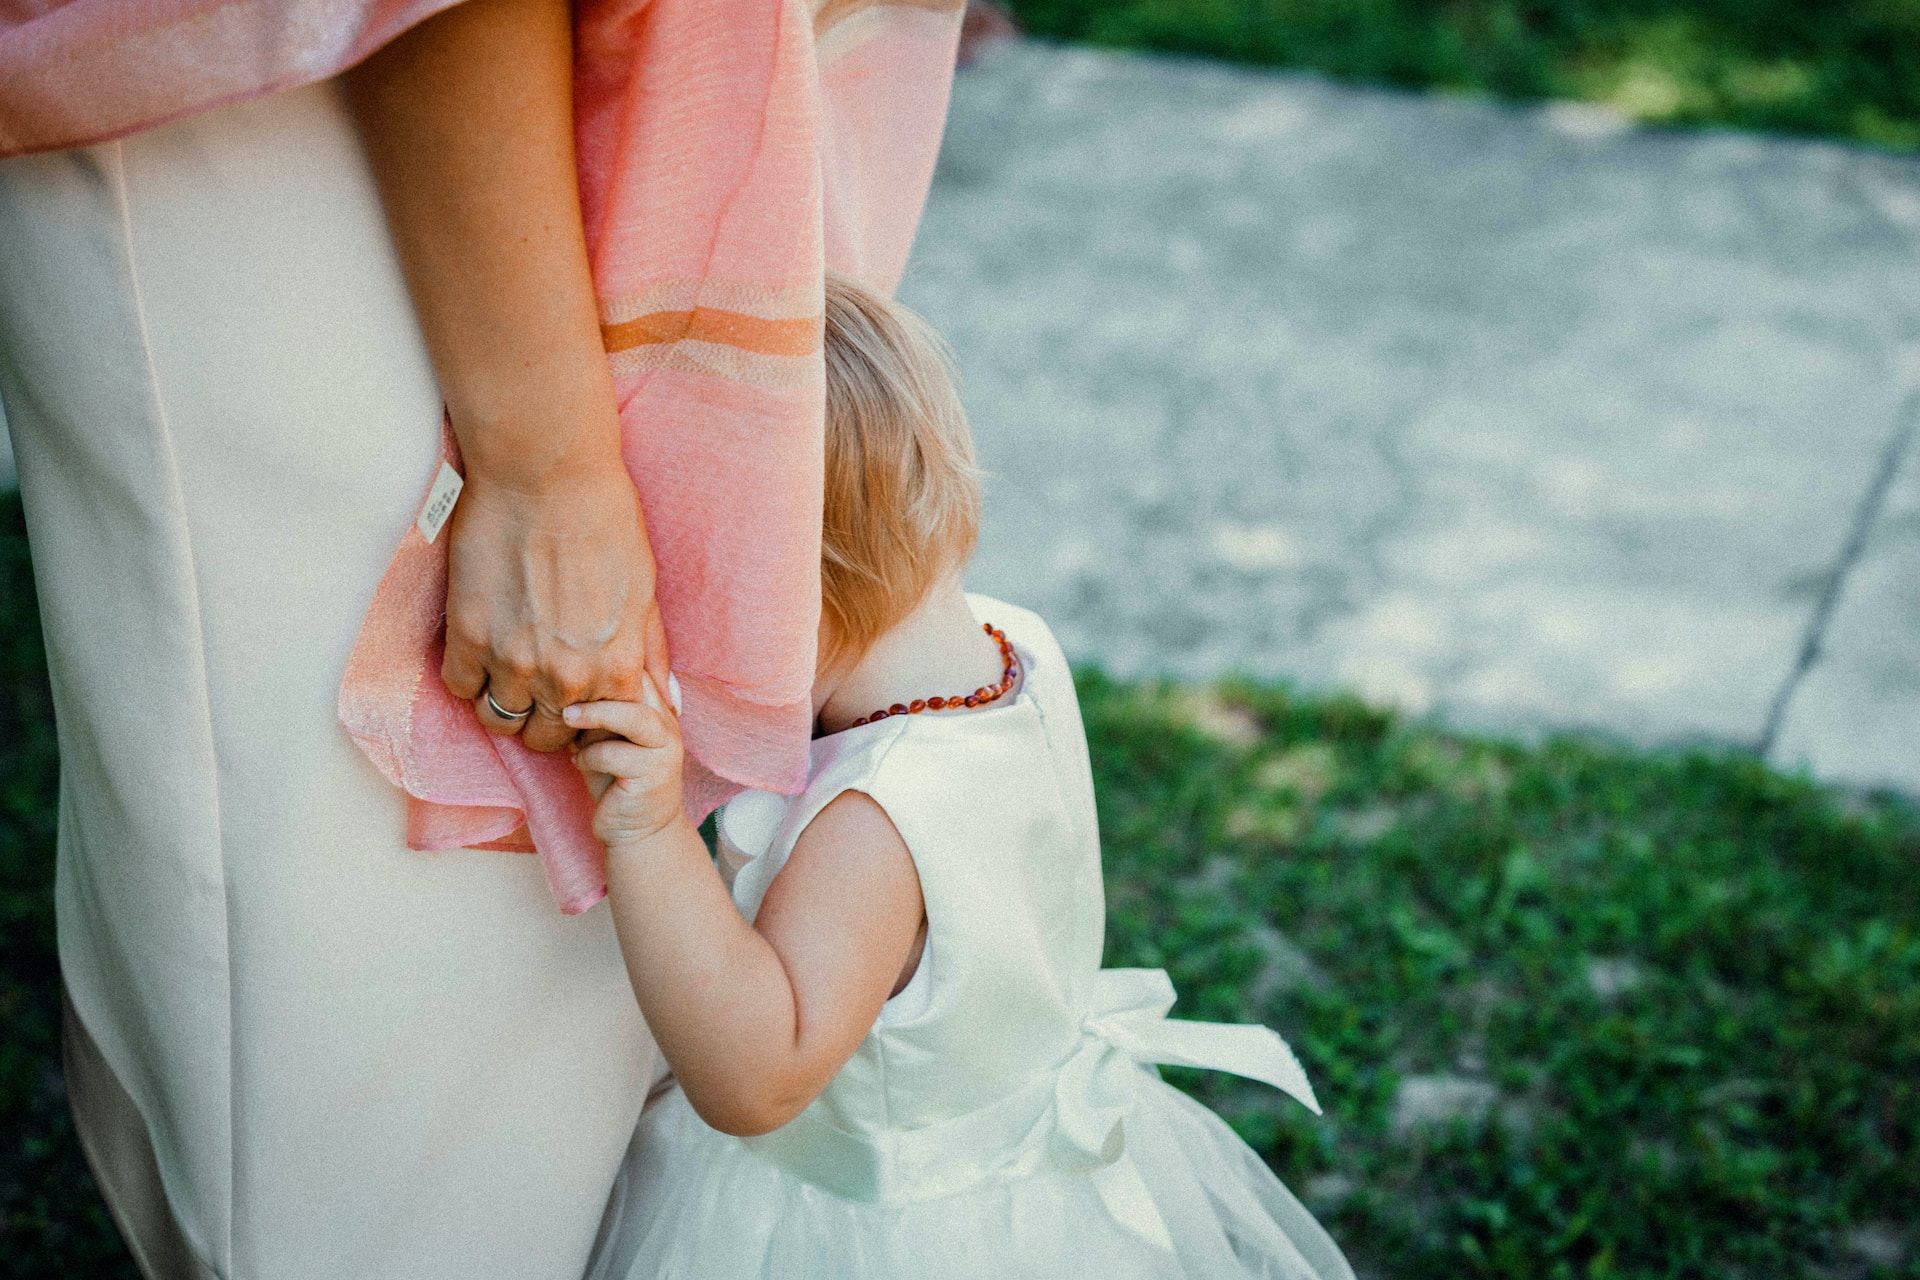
pixel 697 1204
pixel 352 1060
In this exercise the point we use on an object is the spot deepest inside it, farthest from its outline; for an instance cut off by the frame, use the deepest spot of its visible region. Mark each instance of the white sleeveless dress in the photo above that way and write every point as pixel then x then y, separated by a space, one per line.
pixel 1003 1117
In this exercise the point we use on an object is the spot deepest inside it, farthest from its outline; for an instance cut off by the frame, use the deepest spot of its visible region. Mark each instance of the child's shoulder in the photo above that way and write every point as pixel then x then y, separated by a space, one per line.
pixel 933 772
pixel 985 774
pixel 1027 629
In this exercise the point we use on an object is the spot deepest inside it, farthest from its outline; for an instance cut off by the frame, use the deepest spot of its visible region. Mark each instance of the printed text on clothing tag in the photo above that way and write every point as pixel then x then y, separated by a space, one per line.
pixel 440 499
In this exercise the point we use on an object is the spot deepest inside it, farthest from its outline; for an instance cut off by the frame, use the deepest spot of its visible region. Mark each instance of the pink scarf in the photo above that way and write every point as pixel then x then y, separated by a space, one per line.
pixel 729 150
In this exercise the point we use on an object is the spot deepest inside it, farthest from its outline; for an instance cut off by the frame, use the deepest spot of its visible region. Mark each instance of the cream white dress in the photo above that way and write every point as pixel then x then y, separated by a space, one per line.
pixel 1003 1118
pixel 352 1061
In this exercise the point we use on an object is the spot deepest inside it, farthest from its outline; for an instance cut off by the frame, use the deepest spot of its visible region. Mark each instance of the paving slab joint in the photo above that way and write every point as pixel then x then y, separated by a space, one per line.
pixel 1872 502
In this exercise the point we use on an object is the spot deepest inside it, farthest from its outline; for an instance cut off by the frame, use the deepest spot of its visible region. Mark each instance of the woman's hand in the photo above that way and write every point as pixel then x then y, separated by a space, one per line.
pixel 550 600
pixel 468 124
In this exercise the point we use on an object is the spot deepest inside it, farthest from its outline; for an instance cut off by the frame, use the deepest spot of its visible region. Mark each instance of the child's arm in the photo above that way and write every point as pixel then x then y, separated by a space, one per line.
pixel 754 1020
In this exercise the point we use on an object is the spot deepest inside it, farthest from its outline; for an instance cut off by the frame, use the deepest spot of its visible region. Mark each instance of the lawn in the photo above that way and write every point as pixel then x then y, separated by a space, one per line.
pixel 1681 989
pixel 1849 69
pixel 1673 999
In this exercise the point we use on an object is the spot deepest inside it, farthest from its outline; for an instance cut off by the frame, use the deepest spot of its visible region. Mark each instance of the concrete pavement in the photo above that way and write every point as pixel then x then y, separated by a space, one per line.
pixel 1521 416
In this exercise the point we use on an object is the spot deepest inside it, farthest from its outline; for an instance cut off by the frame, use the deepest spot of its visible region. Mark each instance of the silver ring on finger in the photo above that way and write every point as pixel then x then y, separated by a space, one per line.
pixel 502 712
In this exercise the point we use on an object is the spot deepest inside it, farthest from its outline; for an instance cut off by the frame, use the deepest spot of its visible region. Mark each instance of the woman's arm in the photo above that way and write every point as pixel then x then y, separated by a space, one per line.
pixel 753 1019
pixel 468 123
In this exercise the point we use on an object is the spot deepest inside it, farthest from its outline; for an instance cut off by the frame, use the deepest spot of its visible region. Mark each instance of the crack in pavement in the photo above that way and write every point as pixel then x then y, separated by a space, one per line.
pixel 1866 515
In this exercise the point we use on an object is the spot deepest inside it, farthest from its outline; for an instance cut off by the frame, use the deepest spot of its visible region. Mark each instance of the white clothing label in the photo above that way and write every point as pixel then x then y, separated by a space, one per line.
pixel 439 504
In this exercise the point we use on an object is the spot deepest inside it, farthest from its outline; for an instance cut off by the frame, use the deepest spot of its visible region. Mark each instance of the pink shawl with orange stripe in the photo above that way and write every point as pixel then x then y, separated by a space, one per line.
pixel 729 150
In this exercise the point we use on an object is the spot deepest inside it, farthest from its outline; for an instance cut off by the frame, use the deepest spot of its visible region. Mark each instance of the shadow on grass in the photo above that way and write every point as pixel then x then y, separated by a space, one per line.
pixel 52 1222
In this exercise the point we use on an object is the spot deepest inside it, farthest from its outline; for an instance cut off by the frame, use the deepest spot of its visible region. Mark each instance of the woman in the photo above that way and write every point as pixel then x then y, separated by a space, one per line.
pixel 297 1047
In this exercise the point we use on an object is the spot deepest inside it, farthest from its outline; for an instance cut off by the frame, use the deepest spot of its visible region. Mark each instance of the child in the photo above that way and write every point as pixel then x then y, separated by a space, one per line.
pixel 894 1051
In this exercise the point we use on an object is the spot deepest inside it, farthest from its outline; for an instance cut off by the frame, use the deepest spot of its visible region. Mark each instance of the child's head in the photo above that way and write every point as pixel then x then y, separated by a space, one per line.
pixel 902 492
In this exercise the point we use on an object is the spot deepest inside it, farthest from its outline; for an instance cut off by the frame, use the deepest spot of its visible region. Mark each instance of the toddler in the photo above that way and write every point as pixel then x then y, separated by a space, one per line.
pixel 894 1051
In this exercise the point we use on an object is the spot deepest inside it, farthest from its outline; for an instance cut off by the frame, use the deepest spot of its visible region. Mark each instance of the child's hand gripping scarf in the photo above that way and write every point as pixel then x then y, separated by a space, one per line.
pixel 728 151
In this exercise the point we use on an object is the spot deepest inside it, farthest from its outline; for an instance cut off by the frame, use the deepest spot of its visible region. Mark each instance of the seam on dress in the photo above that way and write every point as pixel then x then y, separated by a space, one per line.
pixel 1054 743
pixel 223 1264
pixel 885 1064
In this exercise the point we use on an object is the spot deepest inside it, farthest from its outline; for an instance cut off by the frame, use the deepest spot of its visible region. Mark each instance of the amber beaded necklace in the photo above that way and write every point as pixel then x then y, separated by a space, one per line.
pixel 980 697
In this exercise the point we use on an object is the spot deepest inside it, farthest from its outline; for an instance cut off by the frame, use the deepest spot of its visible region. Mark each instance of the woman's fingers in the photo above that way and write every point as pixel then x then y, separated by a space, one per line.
pixel 501 696
pixel 462 671
pixel 562 681
pixel 656 660
pixel 544 730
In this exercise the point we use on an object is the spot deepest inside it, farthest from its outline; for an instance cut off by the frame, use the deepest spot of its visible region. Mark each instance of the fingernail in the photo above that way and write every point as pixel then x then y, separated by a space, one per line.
pixel 647 695
pixel 673 691
pixel 571 715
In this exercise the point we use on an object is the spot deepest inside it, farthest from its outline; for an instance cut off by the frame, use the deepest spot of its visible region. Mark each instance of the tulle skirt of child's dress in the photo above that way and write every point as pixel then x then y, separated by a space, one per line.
pixel 695 1204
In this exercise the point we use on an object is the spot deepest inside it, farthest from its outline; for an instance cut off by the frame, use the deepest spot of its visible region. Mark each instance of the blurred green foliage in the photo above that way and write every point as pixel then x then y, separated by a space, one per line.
pixel 1685 987
pixel 1849 69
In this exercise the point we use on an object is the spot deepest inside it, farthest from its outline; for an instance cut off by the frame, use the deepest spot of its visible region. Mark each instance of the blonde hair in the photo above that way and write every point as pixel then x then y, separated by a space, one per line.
pixel 902 489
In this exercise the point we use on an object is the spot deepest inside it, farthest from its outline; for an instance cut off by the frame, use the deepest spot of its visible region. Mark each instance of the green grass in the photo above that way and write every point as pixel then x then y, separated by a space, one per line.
pixel 1849 69
pixel 1740 1108
pixel 1747 1100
